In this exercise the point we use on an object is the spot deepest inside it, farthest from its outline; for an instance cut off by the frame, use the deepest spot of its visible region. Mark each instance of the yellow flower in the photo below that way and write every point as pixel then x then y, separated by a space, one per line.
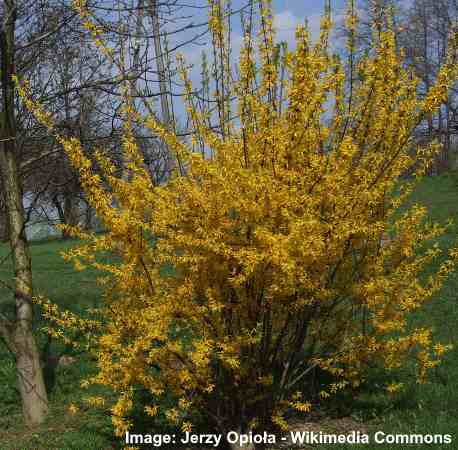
pixel 273 229
pixel 72 408
pixel 394 387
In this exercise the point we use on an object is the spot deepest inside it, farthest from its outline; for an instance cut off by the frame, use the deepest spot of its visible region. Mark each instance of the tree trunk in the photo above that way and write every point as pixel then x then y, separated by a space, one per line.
pixel 67 211
pixel 18 334
pixel 154 13
pixel 70 212
pixel 162 75
pixel 88 217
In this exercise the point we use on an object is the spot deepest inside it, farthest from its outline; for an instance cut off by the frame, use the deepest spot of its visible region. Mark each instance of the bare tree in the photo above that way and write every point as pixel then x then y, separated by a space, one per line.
pixel 428 25
pixel 45 43
pixel 18 334
pixel 422 29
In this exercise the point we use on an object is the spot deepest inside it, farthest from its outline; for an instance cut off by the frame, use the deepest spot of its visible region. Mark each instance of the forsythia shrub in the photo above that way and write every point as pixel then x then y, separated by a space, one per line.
pixel 287 250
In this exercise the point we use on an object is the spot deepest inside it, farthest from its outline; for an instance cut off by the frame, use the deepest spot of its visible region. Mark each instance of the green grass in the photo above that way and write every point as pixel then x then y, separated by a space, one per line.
pixel 52 276
pixel 430 408
pixel 426 409
pixel 89 429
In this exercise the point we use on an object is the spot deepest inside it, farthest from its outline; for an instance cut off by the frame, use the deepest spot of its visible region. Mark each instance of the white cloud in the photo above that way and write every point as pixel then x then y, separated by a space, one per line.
pixel 285 24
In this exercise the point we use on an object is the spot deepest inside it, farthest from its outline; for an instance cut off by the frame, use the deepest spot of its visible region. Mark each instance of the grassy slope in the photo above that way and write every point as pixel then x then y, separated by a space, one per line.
pixel 426 409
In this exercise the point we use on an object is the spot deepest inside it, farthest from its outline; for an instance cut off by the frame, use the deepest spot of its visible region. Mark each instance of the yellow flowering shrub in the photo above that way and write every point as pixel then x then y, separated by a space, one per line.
pixel 286 246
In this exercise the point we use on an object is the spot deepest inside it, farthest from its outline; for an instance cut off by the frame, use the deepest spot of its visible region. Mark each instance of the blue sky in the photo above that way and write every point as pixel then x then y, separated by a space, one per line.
pixel 304 7
pixel 287 15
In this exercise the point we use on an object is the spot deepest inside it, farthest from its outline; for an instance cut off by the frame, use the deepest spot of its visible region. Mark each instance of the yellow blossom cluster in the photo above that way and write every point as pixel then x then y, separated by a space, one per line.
pixel 285 250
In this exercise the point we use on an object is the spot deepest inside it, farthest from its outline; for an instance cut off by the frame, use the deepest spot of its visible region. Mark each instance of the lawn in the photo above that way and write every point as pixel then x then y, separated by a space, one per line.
pixel 430 408
pixel 425 409
pixel 57 280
